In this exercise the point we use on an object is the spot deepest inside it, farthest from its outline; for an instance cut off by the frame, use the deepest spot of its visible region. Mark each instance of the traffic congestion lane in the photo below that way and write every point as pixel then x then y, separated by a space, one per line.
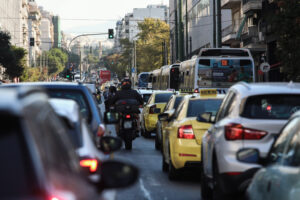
pixel 153 183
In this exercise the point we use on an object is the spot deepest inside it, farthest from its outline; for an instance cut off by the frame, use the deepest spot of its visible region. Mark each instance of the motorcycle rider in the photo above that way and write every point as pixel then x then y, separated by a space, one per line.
pixel 127 93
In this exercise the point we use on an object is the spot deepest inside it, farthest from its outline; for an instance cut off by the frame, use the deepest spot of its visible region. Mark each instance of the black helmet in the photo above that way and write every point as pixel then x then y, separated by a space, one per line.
pixel 126 84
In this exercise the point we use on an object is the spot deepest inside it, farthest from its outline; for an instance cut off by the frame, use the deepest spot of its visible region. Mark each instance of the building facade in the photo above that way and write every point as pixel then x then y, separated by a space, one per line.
pixel 47 30
pixel 57 31
pixel 191 27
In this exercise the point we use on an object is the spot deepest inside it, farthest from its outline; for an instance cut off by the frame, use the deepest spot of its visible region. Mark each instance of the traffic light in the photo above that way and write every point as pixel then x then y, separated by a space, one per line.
pixel 31 42
pixel 110 33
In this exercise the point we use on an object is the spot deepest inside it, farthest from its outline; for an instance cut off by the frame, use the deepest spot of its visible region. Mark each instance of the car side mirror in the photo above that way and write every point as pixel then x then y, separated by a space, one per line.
pixel 248 156
pixel 115 174
pixel 206 117
pixel 110 144
pixel 111 117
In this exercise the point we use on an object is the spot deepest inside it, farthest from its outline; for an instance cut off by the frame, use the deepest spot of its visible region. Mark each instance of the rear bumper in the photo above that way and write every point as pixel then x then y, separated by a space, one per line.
pixel 235 184
pixel 186 152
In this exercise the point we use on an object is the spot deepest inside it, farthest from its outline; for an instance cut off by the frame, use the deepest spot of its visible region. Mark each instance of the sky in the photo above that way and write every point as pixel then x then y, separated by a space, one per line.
pixel 90 16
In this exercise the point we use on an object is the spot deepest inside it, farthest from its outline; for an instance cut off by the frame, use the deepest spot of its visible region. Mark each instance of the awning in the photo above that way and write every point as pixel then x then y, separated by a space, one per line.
pixel 239 33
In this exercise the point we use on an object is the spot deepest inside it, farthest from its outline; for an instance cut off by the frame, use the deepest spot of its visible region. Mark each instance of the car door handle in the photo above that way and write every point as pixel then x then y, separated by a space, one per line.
pixel 269 186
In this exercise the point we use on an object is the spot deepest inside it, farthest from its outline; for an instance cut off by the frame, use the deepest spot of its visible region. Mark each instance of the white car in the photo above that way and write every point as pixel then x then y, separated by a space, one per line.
pixel 80 134
pixel 251 115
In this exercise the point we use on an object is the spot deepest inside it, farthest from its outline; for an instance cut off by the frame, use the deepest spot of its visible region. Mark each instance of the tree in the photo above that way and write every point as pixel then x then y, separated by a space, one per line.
pixel 17 67
pixel 286 22
pixel 154 33
pixel 6 54
pixel 57 60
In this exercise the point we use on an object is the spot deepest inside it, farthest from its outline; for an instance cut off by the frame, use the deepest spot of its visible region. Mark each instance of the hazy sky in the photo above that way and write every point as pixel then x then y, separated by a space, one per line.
pixel 106 12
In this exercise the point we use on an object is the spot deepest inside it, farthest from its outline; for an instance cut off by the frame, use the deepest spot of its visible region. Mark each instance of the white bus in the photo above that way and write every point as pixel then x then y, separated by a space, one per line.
pixel 217 68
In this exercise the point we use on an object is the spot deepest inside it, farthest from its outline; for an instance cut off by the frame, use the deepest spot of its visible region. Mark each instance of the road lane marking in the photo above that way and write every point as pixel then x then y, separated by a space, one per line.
pixel 145 191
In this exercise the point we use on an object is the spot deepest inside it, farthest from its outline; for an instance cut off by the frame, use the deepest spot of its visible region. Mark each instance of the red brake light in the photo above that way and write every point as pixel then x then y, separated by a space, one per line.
pixel 54 198
pixel 196 91
pixel 238 132
pixel 151 110
pixel 128 116
pixel 92 164
pixel 186 132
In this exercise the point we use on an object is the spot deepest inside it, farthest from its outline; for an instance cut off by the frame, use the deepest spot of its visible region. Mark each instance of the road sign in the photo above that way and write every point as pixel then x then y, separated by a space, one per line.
pixel 265 67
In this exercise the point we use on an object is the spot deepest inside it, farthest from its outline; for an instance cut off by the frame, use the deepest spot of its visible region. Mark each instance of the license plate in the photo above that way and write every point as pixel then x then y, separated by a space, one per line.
pixel 128 124
pixel 218 74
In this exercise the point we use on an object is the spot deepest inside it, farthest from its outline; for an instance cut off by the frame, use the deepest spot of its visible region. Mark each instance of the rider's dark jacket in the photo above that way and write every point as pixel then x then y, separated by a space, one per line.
pixel 126 93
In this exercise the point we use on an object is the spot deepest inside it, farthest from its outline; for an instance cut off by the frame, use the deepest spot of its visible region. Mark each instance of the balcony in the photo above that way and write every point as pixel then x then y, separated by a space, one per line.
pixel 230 4
pixel 229 35
pixel 251 5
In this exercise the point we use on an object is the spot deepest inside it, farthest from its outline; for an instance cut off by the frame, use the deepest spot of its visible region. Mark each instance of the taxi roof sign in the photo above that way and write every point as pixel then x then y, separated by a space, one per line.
pixel 208 92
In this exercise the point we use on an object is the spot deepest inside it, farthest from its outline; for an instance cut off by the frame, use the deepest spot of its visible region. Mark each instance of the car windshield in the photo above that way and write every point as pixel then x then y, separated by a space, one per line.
pixel 276 106
pixel 17 179
pixel 201 106
pixel 162 98
pixel 75 95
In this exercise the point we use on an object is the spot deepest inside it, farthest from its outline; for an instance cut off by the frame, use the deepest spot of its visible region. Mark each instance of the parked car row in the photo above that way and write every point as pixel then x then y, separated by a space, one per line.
pixel 245 142
pixel 48 145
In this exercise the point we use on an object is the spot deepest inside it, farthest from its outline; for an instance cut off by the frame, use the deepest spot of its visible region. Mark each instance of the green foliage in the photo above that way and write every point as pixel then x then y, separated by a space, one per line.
pixel 149 45
pixel 6 54
pixel 16 68
pixel 286 21
pixel 57 60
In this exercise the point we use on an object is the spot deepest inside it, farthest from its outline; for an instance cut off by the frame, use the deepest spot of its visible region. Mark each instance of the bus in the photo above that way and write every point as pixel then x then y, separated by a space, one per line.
pixel 143 80
pixel 155 79
pixel 216 68
pixel 169 77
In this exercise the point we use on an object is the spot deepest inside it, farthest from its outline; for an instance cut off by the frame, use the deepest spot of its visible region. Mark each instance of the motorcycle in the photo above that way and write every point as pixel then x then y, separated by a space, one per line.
pixel 125 114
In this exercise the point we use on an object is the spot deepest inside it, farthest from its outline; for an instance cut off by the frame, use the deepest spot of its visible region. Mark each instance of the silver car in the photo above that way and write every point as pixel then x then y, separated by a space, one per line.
pixel 280 180
pixel 90 156
pixel 251 115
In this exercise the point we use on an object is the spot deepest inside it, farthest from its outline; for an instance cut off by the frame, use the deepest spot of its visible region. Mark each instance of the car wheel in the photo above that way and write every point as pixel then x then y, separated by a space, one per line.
pixel 157 145
pixel 217 193
pixel 128 144
pixel 206 192
pixel 173 173
pixel 164 165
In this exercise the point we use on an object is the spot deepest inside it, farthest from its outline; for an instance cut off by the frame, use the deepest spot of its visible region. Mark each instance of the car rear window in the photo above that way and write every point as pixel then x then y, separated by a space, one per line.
pixel 201 106
pixel 16 172
pixel 74 132
pixel 277 106
pixel 177 102
pixel 75 95
pixel 162 98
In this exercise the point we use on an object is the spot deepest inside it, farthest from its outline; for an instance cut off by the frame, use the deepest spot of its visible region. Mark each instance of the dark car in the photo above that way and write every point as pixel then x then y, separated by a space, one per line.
pixel 81 94
pixel 38 160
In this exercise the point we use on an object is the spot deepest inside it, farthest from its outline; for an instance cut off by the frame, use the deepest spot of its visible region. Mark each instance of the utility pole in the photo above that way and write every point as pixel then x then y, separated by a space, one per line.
pixel 162 53
pixel 214 23
pixel 186 30
pixel 219 35
pixel 190 46
pixel 176 30
pixel 180 27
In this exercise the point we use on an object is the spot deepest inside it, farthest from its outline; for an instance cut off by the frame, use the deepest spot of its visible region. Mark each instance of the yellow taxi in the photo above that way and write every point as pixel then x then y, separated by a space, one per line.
pixel 183 133
pixel 152 109
pixel 171 106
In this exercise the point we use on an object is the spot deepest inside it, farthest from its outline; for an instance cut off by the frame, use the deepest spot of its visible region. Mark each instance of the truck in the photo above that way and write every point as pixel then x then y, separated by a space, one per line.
pixel 105 75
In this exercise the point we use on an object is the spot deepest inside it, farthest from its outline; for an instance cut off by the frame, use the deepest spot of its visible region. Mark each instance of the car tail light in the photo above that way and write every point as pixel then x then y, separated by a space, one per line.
pixel 127 116
pixel 196 91
pixel 91 164
pixel 101 130
pixel 233 173
pixel 152 109
pixel 238 132
pixel 186 132
pixel 54 198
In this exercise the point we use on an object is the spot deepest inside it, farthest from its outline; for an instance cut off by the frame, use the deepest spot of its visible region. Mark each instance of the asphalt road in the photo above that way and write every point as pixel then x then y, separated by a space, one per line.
pixel 154 184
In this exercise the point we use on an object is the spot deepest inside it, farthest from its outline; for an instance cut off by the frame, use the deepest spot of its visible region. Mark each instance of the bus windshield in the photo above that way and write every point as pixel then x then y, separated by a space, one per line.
pixel 224 72
pixel 143 80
